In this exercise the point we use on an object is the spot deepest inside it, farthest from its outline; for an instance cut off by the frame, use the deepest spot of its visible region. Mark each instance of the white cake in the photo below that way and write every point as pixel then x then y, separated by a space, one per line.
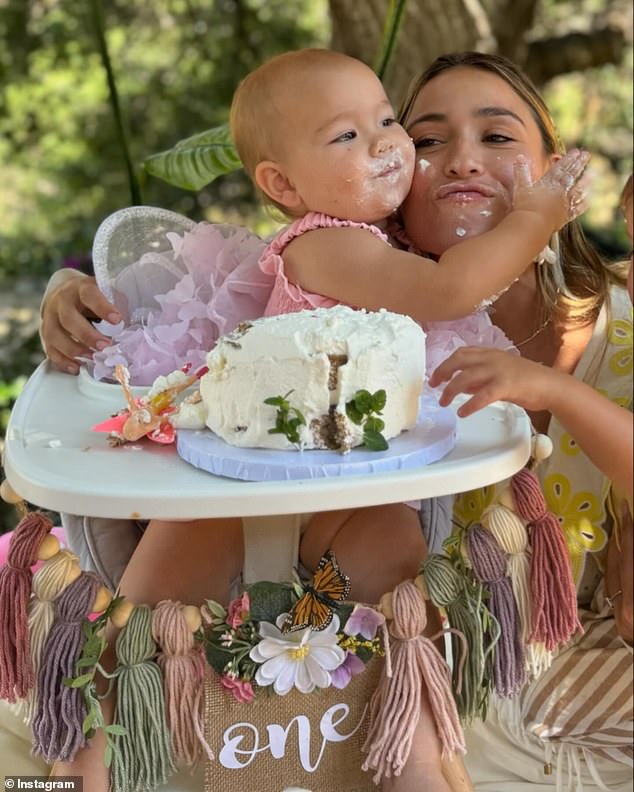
pixel 323 358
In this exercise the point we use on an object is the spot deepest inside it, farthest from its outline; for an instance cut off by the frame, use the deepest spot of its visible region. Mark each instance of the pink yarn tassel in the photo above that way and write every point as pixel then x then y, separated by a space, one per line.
pixel 16 667
pixel 553 591
pixel 396 705
pixel 183 665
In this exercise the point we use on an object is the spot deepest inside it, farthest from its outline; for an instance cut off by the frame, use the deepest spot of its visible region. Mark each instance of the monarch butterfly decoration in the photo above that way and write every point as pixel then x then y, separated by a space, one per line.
pixel 315 607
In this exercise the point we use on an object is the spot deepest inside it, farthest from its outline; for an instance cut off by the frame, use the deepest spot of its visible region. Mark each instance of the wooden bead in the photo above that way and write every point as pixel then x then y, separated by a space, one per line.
pixel 421 585
pixel 74 571
pixel 102 600
pixel 48 548
pixel 385 605
pixel 8 494
pixel 122 613
pixel 505 498
pixel 542 447
pixel 192 617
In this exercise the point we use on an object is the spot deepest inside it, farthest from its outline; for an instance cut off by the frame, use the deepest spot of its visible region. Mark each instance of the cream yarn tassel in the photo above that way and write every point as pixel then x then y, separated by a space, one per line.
pixel 48 583
pixel 509 530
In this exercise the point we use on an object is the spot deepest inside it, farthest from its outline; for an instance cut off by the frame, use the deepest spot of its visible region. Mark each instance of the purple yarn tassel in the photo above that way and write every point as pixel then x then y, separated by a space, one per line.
pixel 57 725
pixel 489 566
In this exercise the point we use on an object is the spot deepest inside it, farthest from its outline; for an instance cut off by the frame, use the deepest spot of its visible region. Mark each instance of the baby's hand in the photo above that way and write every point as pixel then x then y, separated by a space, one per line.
pixel 559 196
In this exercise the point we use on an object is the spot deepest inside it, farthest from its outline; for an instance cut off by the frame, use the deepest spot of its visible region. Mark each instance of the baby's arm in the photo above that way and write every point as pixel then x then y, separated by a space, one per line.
pixel 71 299
pixel 354 267
pixel 602 429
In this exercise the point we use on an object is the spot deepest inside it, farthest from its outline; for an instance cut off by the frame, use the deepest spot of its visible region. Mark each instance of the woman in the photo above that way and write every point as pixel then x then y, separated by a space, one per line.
pixel 470 115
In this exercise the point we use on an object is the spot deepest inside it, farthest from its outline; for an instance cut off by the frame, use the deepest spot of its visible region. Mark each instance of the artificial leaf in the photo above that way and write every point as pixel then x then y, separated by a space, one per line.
pixel 89 720
pixel 116 728
pixel 267 600
pixel 79 681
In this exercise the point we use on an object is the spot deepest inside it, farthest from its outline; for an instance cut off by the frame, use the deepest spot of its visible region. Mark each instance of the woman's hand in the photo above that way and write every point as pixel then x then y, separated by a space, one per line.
pixel 559 196
pixel 66 330
pixel 493 375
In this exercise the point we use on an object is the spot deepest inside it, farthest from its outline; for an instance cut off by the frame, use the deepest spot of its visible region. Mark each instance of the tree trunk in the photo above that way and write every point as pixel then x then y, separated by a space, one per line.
pixel 433 27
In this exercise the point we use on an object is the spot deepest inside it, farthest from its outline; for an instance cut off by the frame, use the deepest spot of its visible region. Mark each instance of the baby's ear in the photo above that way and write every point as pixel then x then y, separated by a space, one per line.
pixel 272 180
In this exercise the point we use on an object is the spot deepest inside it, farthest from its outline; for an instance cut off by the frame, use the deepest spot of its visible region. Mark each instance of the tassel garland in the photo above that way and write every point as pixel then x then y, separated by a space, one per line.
pixel 553 590
pixel 143 758
pixel 489 566
pixel 60 709
pixel 465 612
pixel 395 707
pixel 48 583
pixel 183 664
pixel 16 669
pixel 510 533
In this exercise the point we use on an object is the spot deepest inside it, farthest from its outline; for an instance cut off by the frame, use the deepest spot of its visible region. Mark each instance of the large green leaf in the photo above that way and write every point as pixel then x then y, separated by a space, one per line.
pixel 197 160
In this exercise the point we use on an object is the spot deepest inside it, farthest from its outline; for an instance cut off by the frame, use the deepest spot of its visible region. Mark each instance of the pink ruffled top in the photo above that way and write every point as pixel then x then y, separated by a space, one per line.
pixel 442 338
pixel 288 297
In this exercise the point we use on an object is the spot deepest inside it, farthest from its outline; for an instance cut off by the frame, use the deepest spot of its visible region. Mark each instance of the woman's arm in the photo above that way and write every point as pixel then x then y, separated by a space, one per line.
pixel 618 575
pixel 70 302
pixel 352 266
pixel 602 429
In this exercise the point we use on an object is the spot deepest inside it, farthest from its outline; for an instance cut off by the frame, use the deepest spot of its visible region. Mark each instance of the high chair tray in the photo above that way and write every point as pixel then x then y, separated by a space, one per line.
pixel 54 460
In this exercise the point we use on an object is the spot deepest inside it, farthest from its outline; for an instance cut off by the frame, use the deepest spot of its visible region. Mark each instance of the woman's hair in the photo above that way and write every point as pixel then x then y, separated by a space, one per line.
pixel 578 285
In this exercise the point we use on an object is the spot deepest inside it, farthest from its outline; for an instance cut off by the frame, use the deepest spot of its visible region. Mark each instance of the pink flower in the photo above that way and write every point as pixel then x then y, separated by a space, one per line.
pixel 241 689
pixel 238 611
pixel 342 675
pixel 364 621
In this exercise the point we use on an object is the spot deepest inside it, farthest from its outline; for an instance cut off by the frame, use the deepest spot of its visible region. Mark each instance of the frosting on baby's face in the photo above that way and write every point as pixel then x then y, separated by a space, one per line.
pixel 346 155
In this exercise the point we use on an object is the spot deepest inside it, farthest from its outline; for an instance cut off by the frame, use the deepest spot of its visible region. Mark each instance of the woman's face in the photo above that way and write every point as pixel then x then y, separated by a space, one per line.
pixel 468 127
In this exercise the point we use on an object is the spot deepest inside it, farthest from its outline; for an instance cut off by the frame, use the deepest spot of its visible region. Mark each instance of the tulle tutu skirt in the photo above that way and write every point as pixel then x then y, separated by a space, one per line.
pixel 178 302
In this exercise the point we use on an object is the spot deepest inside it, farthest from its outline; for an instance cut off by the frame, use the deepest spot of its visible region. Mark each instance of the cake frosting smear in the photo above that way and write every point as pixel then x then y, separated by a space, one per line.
pixel 317 361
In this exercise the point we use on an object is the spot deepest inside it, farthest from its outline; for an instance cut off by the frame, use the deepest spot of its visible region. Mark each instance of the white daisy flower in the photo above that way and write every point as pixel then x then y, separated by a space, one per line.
pixel 301 659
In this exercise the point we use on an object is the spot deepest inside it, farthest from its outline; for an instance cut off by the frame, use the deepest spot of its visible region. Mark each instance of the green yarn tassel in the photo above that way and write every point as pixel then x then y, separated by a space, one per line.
pixel 142 759
pixel 462 600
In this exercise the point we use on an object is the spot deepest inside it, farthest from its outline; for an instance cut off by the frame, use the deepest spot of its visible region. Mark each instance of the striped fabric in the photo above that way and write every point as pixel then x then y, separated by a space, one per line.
pixel 581 707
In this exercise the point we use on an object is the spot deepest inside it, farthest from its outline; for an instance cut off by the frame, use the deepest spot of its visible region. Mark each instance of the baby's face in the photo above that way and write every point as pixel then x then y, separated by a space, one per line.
pixel 344 153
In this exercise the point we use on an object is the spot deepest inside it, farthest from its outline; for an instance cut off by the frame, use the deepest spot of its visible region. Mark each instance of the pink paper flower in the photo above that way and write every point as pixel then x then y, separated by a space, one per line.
pixel 364 621
pixel 352 665
pixel 238 611
pixel 241 689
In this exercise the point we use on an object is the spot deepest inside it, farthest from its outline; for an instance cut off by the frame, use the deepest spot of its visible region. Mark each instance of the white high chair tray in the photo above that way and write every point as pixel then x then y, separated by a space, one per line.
pixel 54 460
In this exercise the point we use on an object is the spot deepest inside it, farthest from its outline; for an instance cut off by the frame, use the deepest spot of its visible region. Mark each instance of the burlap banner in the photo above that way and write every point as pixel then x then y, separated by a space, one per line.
pixel 312 741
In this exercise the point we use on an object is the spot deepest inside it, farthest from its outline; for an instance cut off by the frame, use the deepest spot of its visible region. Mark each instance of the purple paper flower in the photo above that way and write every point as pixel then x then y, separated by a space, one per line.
pixel 364 621
pixel 341 676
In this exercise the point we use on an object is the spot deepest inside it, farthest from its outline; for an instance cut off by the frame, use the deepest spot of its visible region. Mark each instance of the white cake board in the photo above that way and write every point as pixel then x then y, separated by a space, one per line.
pixel 433 437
